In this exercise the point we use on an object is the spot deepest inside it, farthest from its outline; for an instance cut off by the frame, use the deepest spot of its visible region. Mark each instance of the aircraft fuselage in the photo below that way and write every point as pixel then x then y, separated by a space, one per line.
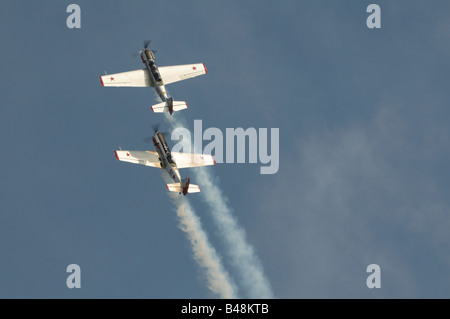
pixel 165 157
pixel 148 59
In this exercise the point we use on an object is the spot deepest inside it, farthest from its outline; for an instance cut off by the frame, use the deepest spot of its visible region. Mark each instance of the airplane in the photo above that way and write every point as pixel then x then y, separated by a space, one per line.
pixel 156 77
pixel 170 161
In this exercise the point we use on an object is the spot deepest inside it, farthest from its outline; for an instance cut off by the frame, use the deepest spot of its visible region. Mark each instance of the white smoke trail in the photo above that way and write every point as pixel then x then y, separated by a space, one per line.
pixel 241 253
pixel 205 255
pixel 217 278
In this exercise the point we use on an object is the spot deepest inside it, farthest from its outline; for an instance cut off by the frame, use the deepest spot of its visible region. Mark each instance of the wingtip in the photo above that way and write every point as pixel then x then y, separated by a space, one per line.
pixel 117 156
pixel 101 80
pixel 206 70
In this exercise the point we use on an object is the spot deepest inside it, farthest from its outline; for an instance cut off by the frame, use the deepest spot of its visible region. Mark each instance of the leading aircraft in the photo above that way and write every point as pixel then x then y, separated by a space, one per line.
pixel 170 161
pixel 156 77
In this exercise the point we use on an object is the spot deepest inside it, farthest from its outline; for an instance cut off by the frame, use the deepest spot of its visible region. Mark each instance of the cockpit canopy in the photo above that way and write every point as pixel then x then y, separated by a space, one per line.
pixel 156 75
pixel 166 149
pixel 154 70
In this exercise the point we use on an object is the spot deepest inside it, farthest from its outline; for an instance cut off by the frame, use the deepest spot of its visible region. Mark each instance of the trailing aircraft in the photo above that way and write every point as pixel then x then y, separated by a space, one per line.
pixel 169 161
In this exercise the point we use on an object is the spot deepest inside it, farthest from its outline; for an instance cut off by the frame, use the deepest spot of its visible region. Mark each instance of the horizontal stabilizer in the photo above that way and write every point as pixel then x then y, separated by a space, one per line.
pixel 176 187
pixel 164 107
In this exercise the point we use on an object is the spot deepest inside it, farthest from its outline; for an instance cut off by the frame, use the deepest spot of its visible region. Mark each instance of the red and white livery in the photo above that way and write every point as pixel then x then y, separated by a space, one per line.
pixel 156 77
pixel 170 161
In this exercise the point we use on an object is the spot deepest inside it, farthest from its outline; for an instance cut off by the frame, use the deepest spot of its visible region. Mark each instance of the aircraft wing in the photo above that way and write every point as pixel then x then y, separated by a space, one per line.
pixel 184 160
pixel 175 73
pixel 136 78
pixel 147 158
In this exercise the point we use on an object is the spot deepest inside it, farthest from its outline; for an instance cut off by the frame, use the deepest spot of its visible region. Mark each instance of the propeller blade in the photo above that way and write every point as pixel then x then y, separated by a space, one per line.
pixel 147 43
pixel 155 127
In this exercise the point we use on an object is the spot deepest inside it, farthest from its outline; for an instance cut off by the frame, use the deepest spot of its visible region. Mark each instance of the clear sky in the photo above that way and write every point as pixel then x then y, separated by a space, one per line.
pixel 364 175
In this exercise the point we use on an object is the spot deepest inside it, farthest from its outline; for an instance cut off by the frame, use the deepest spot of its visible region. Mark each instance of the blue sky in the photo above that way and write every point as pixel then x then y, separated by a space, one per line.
pixel 364 147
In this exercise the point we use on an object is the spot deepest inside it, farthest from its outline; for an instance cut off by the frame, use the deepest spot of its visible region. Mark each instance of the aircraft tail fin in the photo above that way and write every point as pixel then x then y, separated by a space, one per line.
pixel 169 106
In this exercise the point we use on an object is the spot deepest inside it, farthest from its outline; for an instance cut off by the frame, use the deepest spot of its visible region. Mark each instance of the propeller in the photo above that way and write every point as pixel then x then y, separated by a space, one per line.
pixel 155 127
pixel 146 44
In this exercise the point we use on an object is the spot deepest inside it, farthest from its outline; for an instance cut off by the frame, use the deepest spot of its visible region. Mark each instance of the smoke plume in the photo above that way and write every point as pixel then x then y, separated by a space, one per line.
pixel 217 278
pixel 241 254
